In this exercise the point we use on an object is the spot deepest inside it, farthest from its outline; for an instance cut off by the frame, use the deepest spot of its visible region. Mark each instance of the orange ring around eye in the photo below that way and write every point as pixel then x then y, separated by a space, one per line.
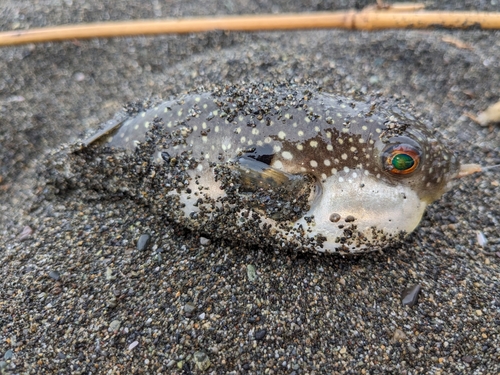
pixel 403 159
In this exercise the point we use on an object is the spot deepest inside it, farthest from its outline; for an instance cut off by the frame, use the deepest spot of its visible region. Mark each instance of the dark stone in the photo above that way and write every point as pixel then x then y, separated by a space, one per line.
pixel 410 295
pixel 334 217
pixel 259 335
pixel 143 242
pixel 467 358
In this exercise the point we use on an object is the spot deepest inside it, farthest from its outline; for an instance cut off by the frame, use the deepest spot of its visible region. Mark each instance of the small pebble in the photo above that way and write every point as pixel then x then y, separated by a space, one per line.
pixel 204 241
pixel 26 233
pixel 54 275
pixel 133 345
pixel 79 77
pixel 189 308
pixel 8 355
pixel 251 272
pixel 467 358
pixel 398 336
pixel 114 326
pixel 350 219
pixel 109 274
pixel 143 242
pixel 201 360
pixel 61 355
pixel 259 335
pixel 111 302
pixel 334 217
pixel 410 295
pixel 481 239
pixel 412 349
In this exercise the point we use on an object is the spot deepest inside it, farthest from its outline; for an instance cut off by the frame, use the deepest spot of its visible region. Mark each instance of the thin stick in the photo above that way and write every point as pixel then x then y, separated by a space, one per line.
pixel 368 19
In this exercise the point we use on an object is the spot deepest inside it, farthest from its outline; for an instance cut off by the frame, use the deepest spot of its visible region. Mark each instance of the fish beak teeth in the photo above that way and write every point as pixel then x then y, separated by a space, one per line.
pixel 468 169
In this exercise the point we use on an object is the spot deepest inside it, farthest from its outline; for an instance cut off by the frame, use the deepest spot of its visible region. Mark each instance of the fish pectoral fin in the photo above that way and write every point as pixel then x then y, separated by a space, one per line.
pixel 281 196
pixel 255 175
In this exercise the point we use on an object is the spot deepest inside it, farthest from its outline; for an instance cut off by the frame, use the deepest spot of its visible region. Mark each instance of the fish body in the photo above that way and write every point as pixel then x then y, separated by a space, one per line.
pixel 278 165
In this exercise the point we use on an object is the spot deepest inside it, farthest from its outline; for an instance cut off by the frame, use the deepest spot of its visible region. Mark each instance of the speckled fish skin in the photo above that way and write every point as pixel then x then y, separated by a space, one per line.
pixel 284 165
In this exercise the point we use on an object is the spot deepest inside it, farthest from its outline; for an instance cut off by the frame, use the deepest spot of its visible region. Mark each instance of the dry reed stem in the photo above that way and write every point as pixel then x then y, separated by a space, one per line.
pixel 395 17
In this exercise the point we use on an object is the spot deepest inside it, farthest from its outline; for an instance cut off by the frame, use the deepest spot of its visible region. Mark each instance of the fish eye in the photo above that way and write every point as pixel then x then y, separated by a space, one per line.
pixel 401 159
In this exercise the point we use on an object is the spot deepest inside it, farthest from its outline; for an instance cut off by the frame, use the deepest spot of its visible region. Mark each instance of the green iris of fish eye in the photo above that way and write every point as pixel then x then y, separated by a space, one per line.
pixel 402 162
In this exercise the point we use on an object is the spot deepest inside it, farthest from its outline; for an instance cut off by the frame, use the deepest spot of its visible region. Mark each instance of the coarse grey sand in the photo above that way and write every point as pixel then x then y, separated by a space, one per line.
pixel 109 287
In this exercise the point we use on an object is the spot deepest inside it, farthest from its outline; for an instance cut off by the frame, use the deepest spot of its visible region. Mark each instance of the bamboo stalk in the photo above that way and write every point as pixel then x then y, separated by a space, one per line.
pixel 420 20
pixel 368 19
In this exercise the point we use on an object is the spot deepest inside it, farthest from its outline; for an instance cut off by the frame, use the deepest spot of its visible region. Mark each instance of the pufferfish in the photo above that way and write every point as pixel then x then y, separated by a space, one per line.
pixel 275 165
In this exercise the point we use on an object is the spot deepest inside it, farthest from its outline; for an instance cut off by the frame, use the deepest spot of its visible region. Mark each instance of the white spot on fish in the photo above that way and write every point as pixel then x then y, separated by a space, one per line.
pixel 277 164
